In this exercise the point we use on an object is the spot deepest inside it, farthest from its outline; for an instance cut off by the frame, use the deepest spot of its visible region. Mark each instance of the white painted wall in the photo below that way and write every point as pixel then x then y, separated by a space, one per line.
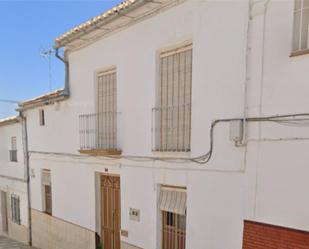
pixel 13 170
pixel 8 168
pixel 264 181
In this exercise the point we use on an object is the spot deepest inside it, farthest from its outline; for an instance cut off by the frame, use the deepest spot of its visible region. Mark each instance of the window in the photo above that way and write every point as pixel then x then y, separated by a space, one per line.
pixel 172 204
pixel 13 151
pixel 42 117
pixel 15 209
pixel 47 192
pixel 301 25
pixel 173 112
pixel 107 109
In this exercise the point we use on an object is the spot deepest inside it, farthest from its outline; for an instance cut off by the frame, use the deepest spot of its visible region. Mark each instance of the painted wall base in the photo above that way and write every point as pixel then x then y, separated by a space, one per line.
pixel 125 245
pixel 18 232
pixel 49 232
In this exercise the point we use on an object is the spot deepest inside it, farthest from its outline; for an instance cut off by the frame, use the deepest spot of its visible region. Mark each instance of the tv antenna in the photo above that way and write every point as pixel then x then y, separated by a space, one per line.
pixel 47 55
pixel 9 101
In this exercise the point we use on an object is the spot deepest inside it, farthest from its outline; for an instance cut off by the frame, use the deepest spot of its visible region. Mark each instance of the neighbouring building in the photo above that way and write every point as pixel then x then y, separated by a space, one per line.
pixel 13 181
pixel 183 124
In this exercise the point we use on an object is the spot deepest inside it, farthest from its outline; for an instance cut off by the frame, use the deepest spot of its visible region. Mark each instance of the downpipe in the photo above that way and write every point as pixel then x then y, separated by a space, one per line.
pixel 66 91
pixel 27 173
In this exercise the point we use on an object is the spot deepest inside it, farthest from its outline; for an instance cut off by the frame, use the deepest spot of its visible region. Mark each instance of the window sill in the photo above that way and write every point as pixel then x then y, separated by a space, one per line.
pixel 168 154
pixel 299 53
pixel 101 152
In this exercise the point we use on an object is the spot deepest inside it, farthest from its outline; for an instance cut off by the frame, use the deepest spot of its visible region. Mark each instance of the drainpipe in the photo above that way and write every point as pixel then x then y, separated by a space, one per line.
pixel 66 91
pixel 27 173
pixel 247 73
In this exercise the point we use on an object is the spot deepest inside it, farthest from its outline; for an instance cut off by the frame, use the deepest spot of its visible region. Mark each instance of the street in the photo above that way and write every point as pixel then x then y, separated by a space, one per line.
pixel 6 243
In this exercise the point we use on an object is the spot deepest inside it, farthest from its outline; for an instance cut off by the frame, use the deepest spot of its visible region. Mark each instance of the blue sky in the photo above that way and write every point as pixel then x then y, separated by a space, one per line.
pixel 27 28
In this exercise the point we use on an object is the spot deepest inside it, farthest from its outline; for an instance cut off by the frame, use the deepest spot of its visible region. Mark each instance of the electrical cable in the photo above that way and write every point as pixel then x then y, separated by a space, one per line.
pixel 202 159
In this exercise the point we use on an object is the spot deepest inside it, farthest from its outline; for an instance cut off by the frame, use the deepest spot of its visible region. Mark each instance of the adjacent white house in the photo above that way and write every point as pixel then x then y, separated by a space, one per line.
pixel 13 181
pixel 183 124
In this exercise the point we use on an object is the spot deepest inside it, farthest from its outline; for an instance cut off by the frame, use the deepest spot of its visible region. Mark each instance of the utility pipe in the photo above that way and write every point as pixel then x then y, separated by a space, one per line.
pixel 27 173
pixel 66 91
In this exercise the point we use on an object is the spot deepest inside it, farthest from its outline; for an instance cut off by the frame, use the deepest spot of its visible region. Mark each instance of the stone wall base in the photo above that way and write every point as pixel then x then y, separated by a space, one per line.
pixel 49 232
pixel 18 232
pixel 125 245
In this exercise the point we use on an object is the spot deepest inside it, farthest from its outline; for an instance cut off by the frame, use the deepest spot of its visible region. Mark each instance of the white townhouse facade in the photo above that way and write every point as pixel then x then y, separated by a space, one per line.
pixel 182 124
pixel 13 181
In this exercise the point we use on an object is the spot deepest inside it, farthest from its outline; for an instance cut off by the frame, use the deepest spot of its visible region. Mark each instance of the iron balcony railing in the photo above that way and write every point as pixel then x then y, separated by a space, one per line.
pixel 171 128
pixel 13 155
pixel 98 131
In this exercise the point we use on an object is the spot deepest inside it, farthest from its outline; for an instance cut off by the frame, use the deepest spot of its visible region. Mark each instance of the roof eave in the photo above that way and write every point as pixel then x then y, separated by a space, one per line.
pixel 9 121
pixel 81 33
pixel 43 100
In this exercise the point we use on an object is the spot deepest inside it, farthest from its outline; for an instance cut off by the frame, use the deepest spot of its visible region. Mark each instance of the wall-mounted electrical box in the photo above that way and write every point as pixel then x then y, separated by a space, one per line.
pixel 236 131
pixel 134 214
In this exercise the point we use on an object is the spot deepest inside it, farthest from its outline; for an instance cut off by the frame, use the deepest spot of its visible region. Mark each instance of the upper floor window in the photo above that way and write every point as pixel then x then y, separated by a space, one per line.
pixel 13 151
pixel 42 117
pixel 173 111
pixel 98 131
pixel 301 26
pixel 15 208
pixel 107 109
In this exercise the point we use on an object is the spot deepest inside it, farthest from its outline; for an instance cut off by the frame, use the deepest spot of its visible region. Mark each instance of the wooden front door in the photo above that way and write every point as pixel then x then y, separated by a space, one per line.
pixel 110 211
pixel 4 212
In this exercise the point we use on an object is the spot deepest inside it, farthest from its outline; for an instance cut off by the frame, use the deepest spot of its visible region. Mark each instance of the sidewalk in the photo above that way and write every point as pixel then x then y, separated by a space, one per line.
pixel 6 243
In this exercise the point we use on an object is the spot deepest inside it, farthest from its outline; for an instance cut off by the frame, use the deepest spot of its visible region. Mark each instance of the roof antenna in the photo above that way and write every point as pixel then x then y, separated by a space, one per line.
pixel 47 55
pixel 9 101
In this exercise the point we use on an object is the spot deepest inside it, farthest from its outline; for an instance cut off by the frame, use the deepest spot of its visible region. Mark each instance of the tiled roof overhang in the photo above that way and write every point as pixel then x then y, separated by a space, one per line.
pixel 45 99
pixel 9 120
pixel 122 15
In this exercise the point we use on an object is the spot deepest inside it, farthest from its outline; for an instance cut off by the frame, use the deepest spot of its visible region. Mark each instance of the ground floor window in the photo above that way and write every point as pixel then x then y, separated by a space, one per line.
pixel 15 209
pixel 172 206
pixel 173 231
pixel 47 192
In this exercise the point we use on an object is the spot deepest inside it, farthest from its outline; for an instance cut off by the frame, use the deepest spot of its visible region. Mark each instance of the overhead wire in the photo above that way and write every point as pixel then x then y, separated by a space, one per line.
pixel 292 119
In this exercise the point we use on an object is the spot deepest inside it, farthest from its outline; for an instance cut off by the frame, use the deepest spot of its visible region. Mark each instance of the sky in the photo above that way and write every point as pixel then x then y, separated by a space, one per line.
pixel 27 29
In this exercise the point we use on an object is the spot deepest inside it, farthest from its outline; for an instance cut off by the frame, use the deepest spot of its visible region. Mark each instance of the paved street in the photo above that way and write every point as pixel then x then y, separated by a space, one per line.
pixel 6 243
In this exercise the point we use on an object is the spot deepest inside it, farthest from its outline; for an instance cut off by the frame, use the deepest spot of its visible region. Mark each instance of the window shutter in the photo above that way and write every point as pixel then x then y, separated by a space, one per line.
pixel 174 117
pixel 46 179
pixel 173 200
pixel 301 25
